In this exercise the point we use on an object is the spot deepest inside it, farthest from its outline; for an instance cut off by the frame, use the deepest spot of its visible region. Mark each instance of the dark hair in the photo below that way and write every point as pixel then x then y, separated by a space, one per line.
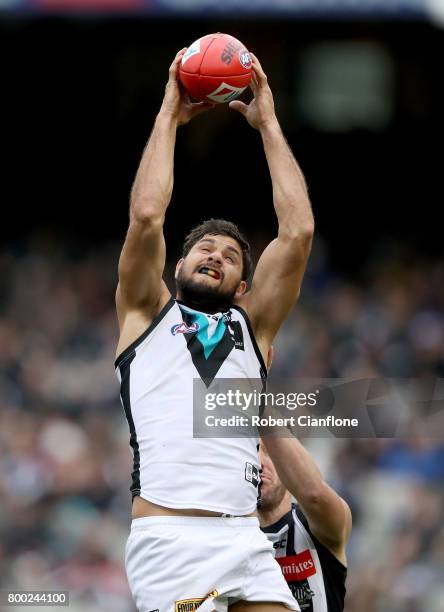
pixel 221 227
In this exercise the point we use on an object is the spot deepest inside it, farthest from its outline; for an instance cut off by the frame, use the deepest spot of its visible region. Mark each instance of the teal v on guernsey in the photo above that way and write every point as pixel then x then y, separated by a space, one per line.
pixel 210 339
pixel 211 329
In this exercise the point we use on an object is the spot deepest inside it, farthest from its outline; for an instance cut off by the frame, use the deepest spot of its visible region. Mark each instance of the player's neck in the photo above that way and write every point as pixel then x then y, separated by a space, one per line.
pixel 269 516
pixel 200 307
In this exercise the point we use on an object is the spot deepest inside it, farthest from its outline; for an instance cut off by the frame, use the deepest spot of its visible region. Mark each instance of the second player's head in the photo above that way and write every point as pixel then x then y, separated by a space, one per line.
pixel 273 491
pixel 215 266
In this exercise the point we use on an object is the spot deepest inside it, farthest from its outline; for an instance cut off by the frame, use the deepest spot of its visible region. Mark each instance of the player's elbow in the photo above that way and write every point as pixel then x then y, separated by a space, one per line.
pixel 304 234
pixel 303 231
pixel 314 498
pixel 148 215
pixel 298 238
pixel 296 230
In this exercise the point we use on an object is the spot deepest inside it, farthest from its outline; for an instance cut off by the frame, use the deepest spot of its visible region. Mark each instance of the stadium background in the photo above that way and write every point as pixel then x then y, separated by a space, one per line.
pixel 358 92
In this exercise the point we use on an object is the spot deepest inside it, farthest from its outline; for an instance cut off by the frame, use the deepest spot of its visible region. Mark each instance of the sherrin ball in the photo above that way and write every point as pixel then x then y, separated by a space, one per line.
pixel 216 68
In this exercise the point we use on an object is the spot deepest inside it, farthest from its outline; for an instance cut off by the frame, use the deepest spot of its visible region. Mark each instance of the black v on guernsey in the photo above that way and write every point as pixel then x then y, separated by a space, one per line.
pixel 315 576
pixel 156 372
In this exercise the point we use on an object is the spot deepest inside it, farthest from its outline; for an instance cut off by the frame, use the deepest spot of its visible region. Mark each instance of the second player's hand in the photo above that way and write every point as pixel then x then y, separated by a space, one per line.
pixel 176 102
pixel 260 112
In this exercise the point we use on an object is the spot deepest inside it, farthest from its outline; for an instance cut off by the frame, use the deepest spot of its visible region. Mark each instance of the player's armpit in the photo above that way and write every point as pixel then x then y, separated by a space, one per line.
pixel 276 282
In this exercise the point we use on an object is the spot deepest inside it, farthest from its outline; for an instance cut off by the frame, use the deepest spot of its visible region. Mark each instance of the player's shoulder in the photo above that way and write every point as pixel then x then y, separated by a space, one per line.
pixel 246 303
pixel 135 322
pixel 243 305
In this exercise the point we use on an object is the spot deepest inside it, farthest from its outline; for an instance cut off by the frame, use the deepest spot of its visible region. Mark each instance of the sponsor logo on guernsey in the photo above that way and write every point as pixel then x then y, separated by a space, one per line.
pixel 280 544
pixel 251 474
pixel 189 605
pixel 302 592
pixel 297 567
pixel 238 342
pixel 183 328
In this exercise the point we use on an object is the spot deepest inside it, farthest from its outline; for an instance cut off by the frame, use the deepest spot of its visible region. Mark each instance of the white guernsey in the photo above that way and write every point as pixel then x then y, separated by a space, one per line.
pixel 158 403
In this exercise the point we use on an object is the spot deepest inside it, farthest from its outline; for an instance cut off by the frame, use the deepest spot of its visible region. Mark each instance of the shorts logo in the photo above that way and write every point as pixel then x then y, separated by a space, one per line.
pixel 251 474
pixel 189 605
pixel 182 328
pixel 245 59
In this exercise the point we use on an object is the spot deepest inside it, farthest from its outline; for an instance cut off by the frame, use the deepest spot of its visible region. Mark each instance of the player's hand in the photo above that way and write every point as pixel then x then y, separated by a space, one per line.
pixel 260 111
pixel 176 102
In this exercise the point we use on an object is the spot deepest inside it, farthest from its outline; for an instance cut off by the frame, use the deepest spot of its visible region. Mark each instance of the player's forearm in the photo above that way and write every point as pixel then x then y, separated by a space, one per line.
pixel 297 470
pixel 290 194
pixel 153 185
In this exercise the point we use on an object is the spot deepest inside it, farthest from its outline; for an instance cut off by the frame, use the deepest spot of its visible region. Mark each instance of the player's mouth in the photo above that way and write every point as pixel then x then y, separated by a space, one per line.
pixel 210 272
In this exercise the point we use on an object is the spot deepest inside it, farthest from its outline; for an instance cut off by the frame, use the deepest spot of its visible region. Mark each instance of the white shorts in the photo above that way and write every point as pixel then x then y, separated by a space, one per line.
pixel 179 564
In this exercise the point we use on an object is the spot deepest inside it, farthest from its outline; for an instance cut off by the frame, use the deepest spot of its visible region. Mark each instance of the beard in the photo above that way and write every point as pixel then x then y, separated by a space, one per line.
pixel 202 297
pixel 272 496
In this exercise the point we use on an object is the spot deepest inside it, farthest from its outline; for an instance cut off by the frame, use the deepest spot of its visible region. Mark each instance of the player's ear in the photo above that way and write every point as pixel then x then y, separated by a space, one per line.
pixel 178 267
pixel 241 288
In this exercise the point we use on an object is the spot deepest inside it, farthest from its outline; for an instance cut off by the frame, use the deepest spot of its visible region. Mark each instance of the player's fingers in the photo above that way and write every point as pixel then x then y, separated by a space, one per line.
pixel 256 60
pixel 261 77
pixel 239 106
pixel 204 104
pixel 201 107
pixel 258 71
pixel 254 86
pixel 176 60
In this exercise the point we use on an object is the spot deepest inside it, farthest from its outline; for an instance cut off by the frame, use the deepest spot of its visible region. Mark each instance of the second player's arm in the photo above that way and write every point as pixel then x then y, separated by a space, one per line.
pixel 328 515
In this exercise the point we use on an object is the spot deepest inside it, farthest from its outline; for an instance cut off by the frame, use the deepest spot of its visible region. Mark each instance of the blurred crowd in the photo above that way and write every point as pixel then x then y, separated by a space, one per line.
pixel 64 442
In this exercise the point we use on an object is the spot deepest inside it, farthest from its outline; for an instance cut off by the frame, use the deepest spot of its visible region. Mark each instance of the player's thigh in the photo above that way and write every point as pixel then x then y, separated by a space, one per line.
pixel 257 606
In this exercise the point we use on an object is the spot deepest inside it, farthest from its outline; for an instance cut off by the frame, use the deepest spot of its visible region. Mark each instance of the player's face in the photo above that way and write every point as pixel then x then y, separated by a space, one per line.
pixel 210 276
pixel 272 489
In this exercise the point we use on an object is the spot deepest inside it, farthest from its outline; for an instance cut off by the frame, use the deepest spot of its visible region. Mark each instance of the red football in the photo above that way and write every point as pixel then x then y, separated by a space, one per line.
pixel 216 68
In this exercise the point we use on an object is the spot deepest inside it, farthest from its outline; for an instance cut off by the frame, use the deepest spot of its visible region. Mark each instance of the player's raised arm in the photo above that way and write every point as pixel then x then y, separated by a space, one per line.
pixel 141 290
pixel 278 276
pixel 328 515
